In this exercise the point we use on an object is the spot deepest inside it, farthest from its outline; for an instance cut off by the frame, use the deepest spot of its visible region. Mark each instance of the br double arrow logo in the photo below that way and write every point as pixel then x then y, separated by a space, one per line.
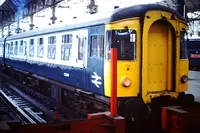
pixel 96 79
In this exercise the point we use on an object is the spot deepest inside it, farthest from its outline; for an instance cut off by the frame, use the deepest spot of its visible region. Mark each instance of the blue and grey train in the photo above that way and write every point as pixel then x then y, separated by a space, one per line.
pixel 72 62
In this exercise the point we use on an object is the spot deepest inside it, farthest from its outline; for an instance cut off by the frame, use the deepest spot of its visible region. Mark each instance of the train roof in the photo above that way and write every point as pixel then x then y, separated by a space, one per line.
pixel 140 11
pixel 98 19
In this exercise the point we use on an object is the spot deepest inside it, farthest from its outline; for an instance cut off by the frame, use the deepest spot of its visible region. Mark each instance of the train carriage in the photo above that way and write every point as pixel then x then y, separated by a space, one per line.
pixel 151 60
pixel 193 49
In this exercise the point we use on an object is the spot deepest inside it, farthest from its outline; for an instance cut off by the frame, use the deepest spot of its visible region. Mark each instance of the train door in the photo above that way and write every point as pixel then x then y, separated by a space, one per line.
pixel 81 57
pixel 158 50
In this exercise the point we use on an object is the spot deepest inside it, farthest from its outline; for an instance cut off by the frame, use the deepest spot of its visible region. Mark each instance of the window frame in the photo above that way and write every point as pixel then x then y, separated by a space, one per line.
pixel 51 44
pixel 16 48
pixel 31 44
pixel 40 45
pixel 109 42
pixel 101 53
pixel 21 47
pixel 66 45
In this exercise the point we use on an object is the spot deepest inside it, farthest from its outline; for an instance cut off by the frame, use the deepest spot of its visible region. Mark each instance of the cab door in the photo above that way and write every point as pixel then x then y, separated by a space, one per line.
pixel 159 52
pixel 158 56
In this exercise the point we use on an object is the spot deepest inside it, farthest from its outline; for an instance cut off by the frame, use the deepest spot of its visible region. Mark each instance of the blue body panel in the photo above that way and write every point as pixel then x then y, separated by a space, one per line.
pixel 95 64
pixel 77 76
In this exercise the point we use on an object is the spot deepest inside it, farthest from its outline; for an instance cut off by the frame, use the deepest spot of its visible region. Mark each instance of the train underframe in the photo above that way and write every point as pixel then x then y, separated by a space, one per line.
pixel 137 113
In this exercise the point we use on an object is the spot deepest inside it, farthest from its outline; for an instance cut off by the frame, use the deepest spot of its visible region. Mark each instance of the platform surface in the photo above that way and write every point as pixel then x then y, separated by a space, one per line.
pixel 194 84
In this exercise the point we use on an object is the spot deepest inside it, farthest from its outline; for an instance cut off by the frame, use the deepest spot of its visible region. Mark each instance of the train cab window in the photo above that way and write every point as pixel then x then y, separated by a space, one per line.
pixel 11 48
pixel 124 41
pixel 183 45
pixel 96 45
pixel 31 48
pixel 126 44
pixel 66 47
pixel 40 48
pixel 16 48
pixel 21 47
pixel 51 54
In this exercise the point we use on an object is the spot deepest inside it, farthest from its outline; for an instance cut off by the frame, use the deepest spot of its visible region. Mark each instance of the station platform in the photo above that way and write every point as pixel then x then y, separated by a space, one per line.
pixel 194 84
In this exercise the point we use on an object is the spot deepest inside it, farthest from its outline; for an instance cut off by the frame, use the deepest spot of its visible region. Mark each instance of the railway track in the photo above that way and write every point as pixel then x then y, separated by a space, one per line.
pixel 32 106
pixel 7 114
pixel 24 111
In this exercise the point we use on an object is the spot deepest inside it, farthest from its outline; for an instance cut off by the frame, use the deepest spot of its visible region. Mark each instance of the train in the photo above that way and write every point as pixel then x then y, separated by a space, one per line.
pixel 71 63
pixel 193 49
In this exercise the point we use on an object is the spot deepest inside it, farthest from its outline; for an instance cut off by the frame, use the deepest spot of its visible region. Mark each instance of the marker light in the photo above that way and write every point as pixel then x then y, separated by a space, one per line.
pixel 125 82
pixel 184 79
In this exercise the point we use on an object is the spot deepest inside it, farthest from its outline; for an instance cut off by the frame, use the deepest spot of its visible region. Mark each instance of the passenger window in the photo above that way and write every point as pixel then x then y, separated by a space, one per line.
pixel 31 48
pixel 96 45
pixel 1 49
pixel 80 48
pixel 66 47
pixel 7 48
pixel 108 44
pixel 40 48
pixel 16 48
pixel 52 40
pixel 51 47
pixel 11 48
pixel 21 48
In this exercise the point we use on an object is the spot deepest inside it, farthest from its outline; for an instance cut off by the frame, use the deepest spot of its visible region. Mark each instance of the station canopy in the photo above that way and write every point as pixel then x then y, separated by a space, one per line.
pixel 10 7
pixel 193 5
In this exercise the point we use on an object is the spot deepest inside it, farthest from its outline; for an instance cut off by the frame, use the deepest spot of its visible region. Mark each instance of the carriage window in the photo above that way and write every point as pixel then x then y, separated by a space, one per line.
pixel 31 47
pixel 52 40
pixel 66 47
pixel 67 38
pixel 183 45
pixel 7 48
pixel 108 44
pixel 11 48
pixel 80 48
pixel 21 48
pixel 1 49
pixel 40 48
pixel 51 47
pixel 40 41
pixel 16 48
pixel 96 45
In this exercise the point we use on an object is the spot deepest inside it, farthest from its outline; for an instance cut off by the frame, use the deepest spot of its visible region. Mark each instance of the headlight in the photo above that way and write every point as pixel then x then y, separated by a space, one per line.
pixel 184 79
pixel 125 82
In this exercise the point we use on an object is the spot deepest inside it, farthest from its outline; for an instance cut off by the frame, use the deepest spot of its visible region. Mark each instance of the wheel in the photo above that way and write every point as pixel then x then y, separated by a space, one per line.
pixel 136 111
